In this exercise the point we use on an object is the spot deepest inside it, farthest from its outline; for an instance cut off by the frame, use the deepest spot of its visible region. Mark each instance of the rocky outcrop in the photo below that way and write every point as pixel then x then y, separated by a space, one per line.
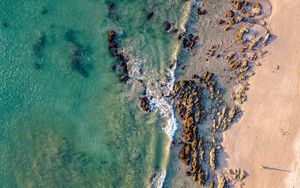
pixel 117 52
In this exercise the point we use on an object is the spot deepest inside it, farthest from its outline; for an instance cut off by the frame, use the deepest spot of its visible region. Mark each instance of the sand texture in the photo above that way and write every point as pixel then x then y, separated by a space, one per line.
pixel 268 134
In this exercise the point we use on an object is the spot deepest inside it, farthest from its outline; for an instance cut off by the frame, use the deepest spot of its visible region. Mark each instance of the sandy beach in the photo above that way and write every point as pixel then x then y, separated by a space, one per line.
pixel 268 135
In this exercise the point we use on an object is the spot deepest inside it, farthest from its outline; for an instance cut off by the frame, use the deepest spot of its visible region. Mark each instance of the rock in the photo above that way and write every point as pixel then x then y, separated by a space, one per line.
pixel 239 19
pixel 167 26
pixel 187 173
pixel 231 114
pixel 220 22
pixel 212 156
pixel 240 33
pixel 255 10
pixel 124 78
pixel 227 27
pixel 254 42
pixel 242 175
pixel 229 14
pixel 201 11
pixel 231 21
pixel 150 16
pixel 221 182
pixel 266 38
pixel 145 104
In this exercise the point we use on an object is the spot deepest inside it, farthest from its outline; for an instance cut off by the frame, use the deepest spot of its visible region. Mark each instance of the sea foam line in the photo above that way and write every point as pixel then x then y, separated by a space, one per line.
pixel 161 102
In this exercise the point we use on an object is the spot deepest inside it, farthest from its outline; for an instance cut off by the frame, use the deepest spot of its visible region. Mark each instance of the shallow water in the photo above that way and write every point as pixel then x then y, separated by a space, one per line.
pixel 76 125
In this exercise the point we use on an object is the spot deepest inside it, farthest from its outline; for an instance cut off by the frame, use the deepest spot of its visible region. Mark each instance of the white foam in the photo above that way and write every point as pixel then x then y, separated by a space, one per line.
pixel 158 179
pixel 154 91
pixel 165 105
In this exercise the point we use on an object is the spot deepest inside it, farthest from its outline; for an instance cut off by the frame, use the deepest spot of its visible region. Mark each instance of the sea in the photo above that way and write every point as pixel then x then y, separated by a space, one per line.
pixel 66 120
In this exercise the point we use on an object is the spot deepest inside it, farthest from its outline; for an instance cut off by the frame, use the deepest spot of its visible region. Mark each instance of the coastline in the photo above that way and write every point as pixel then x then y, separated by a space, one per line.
pixel 268 135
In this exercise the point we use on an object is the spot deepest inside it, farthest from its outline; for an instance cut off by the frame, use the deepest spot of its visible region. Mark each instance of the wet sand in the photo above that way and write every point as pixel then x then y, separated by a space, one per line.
pixel 268 134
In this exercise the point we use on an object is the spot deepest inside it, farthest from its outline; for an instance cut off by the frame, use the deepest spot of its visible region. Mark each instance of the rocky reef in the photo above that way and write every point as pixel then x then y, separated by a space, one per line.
pixel 209 101
pixel 198 101
pixel 122 59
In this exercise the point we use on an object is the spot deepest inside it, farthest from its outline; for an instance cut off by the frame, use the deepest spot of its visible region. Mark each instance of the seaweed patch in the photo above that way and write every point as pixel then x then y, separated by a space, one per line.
pixel 5 24
pixel 76 59
pixel 40 45
pixel 44 11
pixel 78 54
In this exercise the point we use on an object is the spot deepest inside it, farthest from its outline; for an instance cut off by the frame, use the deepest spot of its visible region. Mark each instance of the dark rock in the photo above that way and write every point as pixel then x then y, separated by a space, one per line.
pixel 201 11
pixel 150 15
pixel 187 173
pixel 167 26
pixel 124 78
pixel 220 22
pixel 180 36
pixel 116 51
pixel 145 104
pixel 111 7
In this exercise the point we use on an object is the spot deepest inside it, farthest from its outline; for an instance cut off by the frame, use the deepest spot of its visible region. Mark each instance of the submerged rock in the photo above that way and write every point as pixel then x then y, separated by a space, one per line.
pixel 39 45
pixel 150 16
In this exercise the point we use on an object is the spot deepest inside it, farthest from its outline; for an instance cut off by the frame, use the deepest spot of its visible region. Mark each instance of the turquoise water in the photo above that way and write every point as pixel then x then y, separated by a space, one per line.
pixel 66 125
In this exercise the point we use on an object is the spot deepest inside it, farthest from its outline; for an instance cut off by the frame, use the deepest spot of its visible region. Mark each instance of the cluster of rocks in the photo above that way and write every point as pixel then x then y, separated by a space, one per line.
pixel 241 10
pixel 200 146
pixel 189 41
pixel 242 18
pixel 117 52
pixel 191 112
pixel 202 110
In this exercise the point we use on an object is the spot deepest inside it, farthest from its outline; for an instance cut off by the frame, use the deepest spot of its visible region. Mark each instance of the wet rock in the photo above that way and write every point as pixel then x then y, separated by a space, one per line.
pixel 167 26
pixel 124 78
pixel 145 104
pixel 201 11
pixel 116 51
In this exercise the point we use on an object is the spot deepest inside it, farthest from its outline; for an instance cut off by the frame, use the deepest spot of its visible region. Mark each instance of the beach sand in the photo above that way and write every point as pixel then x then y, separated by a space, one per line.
pixel 268 134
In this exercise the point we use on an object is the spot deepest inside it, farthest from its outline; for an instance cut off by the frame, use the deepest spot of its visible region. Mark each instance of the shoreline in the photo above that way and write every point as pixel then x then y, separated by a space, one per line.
pixel 265 140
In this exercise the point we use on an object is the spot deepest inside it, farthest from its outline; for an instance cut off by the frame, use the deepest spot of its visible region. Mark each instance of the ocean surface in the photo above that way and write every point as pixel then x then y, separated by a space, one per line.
pixel 65 118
